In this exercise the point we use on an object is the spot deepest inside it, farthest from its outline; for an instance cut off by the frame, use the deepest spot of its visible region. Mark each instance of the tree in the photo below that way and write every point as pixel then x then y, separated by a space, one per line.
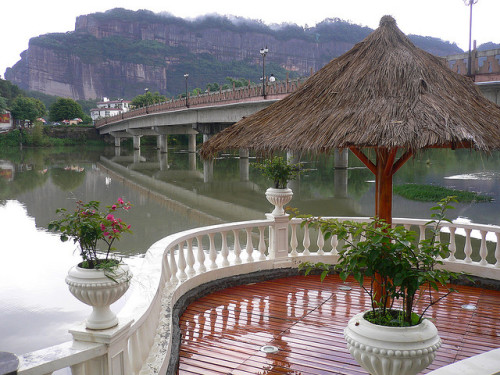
pixel 65 109
pixel 148 99
pixel 3 104
pixel 24 108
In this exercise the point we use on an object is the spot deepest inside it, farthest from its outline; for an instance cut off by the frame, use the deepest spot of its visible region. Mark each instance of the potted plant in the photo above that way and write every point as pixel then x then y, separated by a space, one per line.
pixel 279 172
pixel 100 279
pixel 396 271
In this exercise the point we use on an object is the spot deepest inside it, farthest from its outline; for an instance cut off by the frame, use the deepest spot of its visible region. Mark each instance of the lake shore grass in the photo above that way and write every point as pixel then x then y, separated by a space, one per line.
pixel 434 193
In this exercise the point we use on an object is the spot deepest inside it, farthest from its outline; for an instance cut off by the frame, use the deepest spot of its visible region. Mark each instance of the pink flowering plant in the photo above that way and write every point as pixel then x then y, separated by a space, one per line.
pixel 88 227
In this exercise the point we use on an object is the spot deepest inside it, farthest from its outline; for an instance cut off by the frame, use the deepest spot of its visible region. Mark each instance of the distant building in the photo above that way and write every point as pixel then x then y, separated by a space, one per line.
pixel 108 108
pixel 5 121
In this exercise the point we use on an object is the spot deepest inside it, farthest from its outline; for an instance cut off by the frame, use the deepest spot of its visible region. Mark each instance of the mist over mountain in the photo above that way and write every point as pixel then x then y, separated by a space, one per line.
pixel 119 53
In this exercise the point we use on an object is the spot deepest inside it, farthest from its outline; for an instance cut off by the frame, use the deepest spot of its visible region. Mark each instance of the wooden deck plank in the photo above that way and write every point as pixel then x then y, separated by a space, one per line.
pixel 305 318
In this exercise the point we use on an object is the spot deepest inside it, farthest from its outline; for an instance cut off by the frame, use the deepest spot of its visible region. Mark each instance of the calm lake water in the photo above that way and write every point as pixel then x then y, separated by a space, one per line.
pixel 170 193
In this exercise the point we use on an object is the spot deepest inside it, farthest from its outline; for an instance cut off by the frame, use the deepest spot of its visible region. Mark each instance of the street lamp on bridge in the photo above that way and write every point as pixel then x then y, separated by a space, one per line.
pixel 470 3
pixel 186 76
pixel 263 52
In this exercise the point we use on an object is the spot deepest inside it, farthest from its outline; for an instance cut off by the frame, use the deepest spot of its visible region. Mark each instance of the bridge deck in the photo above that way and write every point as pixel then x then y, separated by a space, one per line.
pixel 224 331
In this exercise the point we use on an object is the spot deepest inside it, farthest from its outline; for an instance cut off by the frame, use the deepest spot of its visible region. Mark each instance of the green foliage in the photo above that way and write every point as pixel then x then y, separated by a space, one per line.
pixel 3 104
pixel 87 226
pixel 11 139
pixel 432 193
pixel 24 108
pixel 376 253
pixel 278 171
pixel 36 137
pixel 148 99
pixel 65 109
pixel 9 91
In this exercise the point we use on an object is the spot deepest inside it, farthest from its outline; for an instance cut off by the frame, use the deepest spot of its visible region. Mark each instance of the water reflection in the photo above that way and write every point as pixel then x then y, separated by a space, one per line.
pixel 171 192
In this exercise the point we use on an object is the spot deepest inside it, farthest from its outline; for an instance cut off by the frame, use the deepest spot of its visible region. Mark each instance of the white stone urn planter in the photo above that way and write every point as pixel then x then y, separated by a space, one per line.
pixel 279 198
pixel 384 350
pixel 94 288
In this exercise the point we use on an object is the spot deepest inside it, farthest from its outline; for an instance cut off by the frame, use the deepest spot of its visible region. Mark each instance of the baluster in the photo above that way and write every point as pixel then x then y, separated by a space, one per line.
pixel 78 369
pixel 212 254
pixel 201 256
pixel 237 246
pixel 181 263
pixel 224 250
pixel 262 244
pixel 320 242
pixel 452 247
pixel 190 258
pixel 483 250
pixel 294 242
pixel 166 269
pixel 249 247
pixel 334 242
pixel 421 228
pixel 306 242
pixel 437 240
pixel 173 268
pixel 468 247
pixel 135 353
pixel 497 250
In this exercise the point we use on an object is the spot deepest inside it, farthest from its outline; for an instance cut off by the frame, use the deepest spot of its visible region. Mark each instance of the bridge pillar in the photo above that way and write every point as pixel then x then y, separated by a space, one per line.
pixel 137 155
pixel 162 143
pixel 208 170
pixel 341 158
pixel 117 141
pixel 137 142
pixel 340 175
pixel 192 143
pixel 244 165
pixel 163 160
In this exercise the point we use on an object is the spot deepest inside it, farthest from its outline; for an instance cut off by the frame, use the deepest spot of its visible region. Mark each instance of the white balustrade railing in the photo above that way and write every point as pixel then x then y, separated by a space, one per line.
pixel 179 263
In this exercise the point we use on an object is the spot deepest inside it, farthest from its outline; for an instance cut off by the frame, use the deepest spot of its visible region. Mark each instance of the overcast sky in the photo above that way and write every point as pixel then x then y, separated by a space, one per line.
pixel 445 19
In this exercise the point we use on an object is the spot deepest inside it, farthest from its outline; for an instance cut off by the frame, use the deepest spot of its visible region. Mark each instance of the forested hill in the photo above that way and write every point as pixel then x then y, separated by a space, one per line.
pixel 120 52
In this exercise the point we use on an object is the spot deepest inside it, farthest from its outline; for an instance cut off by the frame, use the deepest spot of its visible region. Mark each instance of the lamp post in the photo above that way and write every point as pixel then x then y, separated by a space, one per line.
pixel 186 76
pixel 470 3
pixel 263 52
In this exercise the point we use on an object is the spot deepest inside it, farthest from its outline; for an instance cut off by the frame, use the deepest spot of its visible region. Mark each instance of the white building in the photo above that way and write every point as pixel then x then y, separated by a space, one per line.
pixel 108 108
pixel 5 121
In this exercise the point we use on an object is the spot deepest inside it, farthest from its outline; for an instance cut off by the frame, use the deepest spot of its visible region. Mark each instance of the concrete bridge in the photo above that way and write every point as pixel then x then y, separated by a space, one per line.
pixel 211 112
pixel 206 114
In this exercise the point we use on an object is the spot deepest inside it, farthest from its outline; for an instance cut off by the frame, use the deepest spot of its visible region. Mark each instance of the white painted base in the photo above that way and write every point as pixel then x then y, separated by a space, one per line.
pixel 384 350
pixel 95 289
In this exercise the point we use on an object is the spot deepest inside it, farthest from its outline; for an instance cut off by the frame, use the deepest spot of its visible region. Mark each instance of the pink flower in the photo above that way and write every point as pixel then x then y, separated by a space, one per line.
pixel 110 217
pixel 106 234
pixel 103 227
pixel 128 227
pixel 120 201
pixel 113 207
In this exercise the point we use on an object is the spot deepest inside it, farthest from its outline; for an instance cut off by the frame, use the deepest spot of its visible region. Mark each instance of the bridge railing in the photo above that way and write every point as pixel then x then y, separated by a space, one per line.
pixel 178 264
pixel 273 90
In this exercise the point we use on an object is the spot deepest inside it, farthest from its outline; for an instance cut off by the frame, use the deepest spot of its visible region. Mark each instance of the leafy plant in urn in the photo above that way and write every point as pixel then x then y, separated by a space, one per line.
pixel 99 279
pixel 279 172
pixel 88 227
pixel 403 279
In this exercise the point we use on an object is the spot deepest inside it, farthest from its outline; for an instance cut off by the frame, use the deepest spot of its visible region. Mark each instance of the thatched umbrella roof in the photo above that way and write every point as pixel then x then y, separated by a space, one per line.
pixel 384 93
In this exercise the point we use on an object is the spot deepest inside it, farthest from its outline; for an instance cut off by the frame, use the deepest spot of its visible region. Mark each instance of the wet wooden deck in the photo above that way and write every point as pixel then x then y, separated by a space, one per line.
pixel 223 332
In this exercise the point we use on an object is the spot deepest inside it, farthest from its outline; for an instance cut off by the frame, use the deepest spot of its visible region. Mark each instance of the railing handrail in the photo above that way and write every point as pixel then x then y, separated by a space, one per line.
pixel 171 268
pixel 276 88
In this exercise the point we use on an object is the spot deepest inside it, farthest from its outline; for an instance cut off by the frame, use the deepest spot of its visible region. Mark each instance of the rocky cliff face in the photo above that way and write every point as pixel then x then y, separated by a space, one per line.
pixel 66 75
pixel 166 48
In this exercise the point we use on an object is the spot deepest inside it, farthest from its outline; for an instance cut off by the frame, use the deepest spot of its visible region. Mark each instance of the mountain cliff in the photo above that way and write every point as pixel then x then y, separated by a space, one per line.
pixel 119 53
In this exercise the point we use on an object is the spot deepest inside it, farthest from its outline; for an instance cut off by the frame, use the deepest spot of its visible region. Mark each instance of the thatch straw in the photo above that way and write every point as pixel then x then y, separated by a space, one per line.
pixel 384 92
